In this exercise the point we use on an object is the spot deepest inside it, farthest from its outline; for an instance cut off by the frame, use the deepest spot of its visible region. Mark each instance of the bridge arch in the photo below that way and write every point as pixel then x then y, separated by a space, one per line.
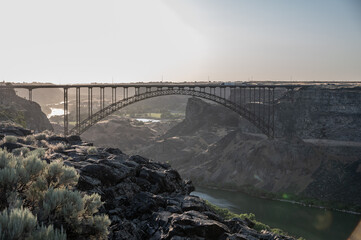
pixel 258 121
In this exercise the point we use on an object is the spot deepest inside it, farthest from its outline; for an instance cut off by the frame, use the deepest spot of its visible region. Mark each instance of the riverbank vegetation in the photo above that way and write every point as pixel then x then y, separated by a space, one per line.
pixel 259 226
pixel 303 200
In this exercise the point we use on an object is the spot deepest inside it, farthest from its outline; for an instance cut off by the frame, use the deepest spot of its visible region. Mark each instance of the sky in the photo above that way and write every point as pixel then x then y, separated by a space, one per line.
pixel 83 41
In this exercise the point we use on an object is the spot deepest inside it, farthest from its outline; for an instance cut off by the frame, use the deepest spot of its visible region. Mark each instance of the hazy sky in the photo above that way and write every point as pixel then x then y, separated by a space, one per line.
pixel 181 40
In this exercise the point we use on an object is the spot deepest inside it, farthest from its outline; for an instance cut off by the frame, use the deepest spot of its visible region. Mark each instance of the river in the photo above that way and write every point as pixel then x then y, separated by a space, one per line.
pixel 147 120
pixel 300 221
pixel 56 112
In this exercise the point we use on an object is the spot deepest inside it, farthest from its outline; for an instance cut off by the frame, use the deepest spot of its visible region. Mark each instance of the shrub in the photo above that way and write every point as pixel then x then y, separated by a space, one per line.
pixel 226 214
pixel 40 136
pixel 10 139
pixel 20 223
pixel 92 151
pixel 30 186
pixel 23 151
pixel 60 147
pixel 39 152
pixel 30 139
pixel 47 133
pixel 43 144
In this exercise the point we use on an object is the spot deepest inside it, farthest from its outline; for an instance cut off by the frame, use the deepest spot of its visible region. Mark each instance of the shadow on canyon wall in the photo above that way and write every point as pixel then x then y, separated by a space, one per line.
pixel 316 153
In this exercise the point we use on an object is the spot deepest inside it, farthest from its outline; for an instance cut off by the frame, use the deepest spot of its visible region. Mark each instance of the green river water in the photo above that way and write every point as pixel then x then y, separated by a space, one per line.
pixel 299 221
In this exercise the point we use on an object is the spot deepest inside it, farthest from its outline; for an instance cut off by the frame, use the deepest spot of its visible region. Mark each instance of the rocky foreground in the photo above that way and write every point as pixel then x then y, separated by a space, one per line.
pixel 143 199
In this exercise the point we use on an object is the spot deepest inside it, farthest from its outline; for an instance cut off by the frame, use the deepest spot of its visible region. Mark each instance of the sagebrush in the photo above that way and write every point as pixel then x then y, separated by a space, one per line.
pixel 10 139
pixel 38 200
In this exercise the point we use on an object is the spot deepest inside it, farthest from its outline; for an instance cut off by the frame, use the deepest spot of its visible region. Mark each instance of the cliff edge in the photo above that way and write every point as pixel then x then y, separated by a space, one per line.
pixel 21 111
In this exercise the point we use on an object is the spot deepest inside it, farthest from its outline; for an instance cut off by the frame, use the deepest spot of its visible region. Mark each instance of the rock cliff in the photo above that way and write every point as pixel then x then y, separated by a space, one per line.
pixel 203 125
pixel 214 148
pixel 279 166
pixel 325 111
pixel 143 199
pixel 204 116
pixel 21 111
pixel 320 112
pixel 127 134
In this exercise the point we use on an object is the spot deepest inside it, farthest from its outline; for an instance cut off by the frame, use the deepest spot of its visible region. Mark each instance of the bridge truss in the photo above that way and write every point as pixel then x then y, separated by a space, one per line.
pixel 252 102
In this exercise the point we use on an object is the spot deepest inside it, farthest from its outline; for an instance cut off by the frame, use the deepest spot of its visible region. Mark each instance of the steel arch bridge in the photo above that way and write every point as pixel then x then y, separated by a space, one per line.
pixel 264 125
pixel 254 102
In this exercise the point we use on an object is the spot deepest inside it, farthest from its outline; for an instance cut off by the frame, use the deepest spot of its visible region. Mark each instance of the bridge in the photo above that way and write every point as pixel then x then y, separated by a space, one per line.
pixel 254 102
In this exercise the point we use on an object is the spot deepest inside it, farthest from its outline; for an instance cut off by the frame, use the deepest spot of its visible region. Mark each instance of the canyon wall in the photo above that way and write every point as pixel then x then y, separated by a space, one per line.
pixel 316 153
pixel 21 111
pixel 320 112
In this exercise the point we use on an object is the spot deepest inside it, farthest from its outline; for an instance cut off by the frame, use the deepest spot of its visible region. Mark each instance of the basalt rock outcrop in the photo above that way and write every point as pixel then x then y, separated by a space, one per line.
pixel 129 135
pixel 317 111
pixel 230 156
pixel 321 112
pixel 21 111
pixel 203 125
pixel 240 160
pixel 203 116
pixel 144 199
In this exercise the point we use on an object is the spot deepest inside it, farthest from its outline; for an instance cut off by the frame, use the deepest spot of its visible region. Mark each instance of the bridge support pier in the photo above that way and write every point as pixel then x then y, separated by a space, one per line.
pixel 101 98
pixel 66 111
pixel 114 95
pixel 30 94
pixel 90 102
pixel 77 108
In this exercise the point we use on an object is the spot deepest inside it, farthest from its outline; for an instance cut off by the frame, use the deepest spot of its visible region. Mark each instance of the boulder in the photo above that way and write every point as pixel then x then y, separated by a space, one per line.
pixel 10 146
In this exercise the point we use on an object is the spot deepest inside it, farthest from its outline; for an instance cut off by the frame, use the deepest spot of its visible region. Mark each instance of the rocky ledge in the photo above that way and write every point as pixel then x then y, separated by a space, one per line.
pixel 143 199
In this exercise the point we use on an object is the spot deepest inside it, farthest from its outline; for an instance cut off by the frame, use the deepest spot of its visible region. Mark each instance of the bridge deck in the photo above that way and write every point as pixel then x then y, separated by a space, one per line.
pixel 266 84
pixel 254 101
